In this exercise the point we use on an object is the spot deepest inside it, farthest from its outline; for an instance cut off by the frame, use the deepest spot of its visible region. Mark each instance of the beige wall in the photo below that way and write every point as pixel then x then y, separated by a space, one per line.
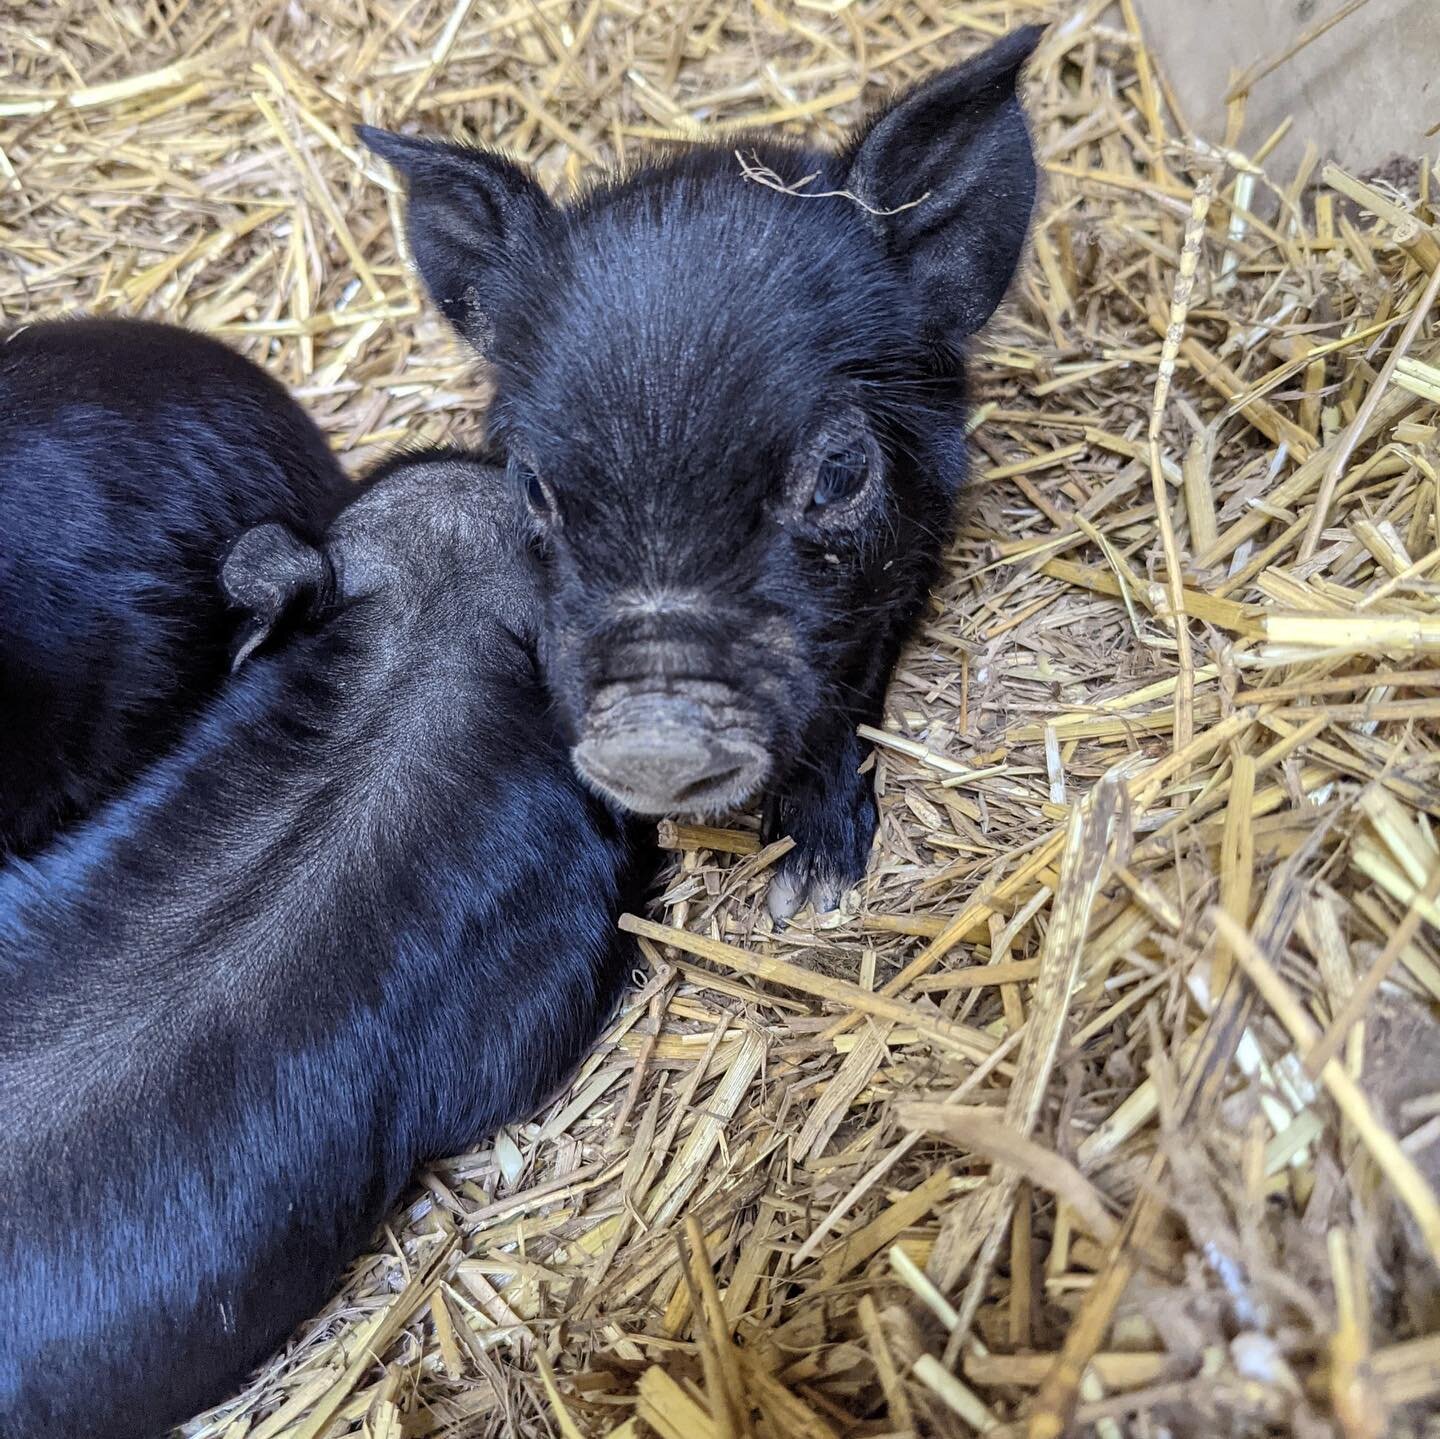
pixel 1365 92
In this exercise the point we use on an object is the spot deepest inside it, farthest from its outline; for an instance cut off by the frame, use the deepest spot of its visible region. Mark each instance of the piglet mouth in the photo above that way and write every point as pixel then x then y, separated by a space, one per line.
pixel 688 749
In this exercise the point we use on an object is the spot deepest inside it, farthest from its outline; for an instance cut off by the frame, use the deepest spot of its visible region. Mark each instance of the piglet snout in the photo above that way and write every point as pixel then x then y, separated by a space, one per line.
pixel 685 749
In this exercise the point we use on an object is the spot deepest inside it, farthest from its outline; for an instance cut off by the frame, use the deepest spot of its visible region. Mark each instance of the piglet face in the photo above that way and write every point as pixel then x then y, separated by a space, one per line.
pixel 731 410
pixel 701 402
pixel 693 619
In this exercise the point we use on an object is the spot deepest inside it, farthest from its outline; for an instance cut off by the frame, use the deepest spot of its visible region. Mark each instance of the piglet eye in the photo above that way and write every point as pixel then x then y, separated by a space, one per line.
pixel 840 475
pixel 537 496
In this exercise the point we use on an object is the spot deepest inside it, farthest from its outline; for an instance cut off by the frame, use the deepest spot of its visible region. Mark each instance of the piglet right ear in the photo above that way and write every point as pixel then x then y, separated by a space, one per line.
pixel 271 573
pixel 948 173
pixel 472 214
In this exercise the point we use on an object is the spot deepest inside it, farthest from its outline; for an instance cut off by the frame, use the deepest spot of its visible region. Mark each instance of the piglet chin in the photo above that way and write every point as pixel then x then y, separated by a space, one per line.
pixel 665 754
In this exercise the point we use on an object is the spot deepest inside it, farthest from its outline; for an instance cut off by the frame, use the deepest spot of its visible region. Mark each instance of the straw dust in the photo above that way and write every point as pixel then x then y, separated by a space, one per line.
pixel 1116 1099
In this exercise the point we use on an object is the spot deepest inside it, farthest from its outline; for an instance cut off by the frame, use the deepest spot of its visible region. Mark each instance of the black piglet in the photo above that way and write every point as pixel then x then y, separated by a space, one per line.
pixel 361 915
pixel 731 382
pixel 131 455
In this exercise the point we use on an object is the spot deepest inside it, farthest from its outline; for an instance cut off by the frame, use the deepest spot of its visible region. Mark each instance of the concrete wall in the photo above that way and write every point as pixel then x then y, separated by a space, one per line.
pixel 1364 93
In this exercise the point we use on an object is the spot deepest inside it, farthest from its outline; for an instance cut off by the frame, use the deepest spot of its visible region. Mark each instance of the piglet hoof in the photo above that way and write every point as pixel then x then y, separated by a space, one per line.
pixel 786 897
pixel 833 831
pixel 790 893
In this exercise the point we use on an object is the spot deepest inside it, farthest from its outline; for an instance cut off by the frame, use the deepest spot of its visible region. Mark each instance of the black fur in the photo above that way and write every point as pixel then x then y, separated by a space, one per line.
pixel 678 355
pixel 131 454
pixel 362 914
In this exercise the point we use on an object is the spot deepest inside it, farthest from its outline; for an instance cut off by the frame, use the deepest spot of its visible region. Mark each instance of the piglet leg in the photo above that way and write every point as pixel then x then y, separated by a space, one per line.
pixel 828 808
pixel 826 805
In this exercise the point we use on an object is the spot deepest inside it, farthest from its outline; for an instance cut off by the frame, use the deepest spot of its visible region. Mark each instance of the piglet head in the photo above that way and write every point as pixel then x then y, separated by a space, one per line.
pixel 428 541
pixel 727 385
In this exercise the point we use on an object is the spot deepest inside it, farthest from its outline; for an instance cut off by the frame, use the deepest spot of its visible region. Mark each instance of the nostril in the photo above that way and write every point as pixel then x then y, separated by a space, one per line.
pixel 698 789
pixel 682 769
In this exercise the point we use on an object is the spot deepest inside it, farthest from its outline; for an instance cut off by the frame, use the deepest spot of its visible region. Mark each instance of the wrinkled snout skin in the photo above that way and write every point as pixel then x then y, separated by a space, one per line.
pixel 689 706
pixel 736 418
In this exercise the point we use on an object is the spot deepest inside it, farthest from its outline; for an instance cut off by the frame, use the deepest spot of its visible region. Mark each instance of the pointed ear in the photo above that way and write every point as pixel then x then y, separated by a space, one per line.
pixel 271 573
pixel 959 140
pixel 470 214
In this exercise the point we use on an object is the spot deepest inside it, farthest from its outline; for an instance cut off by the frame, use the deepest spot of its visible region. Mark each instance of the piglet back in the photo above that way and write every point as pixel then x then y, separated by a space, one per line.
pixel 130 455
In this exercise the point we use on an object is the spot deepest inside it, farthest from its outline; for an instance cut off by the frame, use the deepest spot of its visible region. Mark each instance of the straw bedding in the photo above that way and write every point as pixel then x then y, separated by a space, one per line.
pixel 1114 1097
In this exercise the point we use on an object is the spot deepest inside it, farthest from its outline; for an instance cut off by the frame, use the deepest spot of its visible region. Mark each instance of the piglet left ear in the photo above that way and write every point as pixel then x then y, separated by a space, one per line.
pixel 960 141
pixel 472 216
pixel 270 573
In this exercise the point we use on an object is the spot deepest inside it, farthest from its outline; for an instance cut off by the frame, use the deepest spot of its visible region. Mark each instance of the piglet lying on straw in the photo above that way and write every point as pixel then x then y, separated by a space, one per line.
pixel 731 385
pixel 362 914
